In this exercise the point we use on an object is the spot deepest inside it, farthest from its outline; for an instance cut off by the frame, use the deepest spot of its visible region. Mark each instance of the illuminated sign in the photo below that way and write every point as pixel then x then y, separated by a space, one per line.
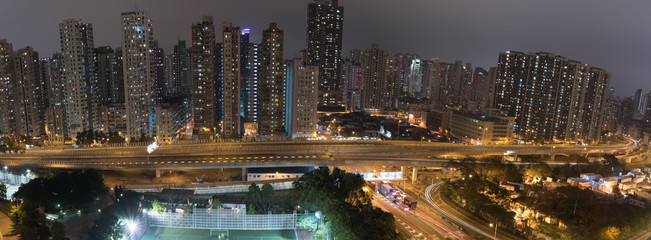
pixel 367 175
pixel 153 146
pixel 391 175
pixel 383 176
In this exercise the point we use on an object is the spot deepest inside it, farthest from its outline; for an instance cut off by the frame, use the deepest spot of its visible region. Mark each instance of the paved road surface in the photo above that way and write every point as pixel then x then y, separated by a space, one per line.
pixel 432 194
pixel 419 223
pixel 6 228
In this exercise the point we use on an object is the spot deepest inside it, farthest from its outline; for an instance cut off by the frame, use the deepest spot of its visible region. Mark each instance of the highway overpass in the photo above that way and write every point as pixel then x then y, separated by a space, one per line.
pixel 286 153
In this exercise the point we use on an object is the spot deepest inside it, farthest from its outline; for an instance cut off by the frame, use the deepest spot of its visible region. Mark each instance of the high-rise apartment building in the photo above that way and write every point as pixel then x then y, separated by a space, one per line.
pixel 7 75
pixel 637 98
pixel 325 21
pixel 230 75
pixel 551 98
pixel 353 78
pixel 78 76
pixel 28 94
pixel 159 73
pixel 203 77
pixel 592 96
pixel 374 63
pixel 414 78
pixel 302 99
pixel 139 75
pixel 55 113
pixel 110 78
pixel 180 76
pixel 430 88
pixel 272 83
pixel 510 84
pixel 627 110
pixel 250 84
pixel 612 112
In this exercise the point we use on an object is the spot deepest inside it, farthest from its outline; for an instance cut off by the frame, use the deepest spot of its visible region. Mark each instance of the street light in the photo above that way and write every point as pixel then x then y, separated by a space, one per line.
pixel 132 226
pixel 399 121
pixel 494 235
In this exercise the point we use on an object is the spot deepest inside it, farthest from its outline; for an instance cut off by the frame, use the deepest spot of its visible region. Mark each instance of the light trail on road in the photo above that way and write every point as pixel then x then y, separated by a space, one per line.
pixel 428 196
pixel 419 220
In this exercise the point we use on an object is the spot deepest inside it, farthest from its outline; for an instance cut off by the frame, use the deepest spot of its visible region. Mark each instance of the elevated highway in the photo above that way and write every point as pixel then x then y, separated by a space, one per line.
pixel 287 153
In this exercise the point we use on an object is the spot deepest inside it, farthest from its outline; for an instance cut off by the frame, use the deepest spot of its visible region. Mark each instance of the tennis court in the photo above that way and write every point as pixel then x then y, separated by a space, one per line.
pixel 159 233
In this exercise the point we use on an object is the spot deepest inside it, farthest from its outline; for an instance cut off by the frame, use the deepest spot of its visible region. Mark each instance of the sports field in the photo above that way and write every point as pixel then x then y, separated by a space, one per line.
pixel 156 233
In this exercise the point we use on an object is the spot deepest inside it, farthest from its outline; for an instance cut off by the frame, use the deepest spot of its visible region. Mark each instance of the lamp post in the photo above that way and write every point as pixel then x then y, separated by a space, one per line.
pixel 398 132
pixel 494 235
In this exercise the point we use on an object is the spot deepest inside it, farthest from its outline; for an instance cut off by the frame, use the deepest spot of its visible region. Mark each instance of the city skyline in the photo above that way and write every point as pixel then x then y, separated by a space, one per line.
pixel 453 35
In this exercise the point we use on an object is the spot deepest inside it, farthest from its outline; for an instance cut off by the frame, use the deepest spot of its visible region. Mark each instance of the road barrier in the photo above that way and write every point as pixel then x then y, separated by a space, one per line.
pixel 239 188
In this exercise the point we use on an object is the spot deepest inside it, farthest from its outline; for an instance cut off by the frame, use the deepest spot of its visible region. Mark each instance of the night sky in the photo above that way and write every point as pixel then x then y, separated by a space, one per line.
pixel 613 35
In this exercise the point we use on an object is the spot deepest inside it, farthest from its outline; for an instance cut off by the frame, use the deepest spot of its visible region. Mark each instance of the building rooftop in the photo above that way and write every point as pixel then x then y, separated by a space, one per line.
pixel 281 170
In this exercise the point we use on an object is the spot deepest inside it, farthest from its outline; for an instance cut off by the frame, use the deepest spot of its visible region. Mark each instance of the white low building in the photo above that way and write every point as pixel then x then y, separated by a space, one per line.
pixel 262 174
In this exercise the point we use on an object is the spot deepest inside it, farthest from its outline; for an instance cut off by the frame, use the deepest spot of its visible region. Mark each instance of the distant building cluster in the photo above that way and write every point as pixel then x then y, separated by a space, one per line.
pixel 635 185
pixel 224 85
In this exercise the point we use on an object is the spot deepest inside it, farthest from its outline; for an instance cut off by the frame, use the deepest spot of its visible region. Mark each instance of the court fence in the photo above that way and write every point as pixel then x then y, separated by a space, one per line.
pixel 13 179
pixel 232 219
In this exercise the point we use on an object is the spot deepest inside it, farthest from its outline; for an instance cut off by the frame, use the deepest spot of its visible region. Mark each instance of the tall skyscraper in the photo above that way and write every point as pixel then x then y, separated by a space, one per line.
pixel 180 79
pixel 414 78
pixel 637 99
pixel 592 97
pixel 430 88
pixel 250 85
pixel 272 83
pixel 230 72
pixel 78 76
pixel 203 77
pixel 302 99
pixel 110 77
pixel 325 21
pixel 627 109
pixel 480 88
pixel 55 112
pixel 159 73
pixel 28 95
pixel 510 84
pixel 551 98
pixel 353 78
pixel 374 63
pixel 7 75
pixel 138 63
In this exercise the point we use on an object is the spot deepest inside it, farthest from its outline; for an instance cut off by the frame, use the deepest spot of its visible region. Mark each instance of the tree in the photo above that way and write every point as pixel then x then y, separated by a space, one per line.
pixel 3 192
pixel 266 197
pixel 344 205
pixel 253 198
pixel 611 233
pixel 29 221
pixel 537 171
pixel 58 231
pixel 12 144
pixel 114 137
pixel 143 138
pixel 69 190
pixel 156 207
pixel 106 227
pixel 216 203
